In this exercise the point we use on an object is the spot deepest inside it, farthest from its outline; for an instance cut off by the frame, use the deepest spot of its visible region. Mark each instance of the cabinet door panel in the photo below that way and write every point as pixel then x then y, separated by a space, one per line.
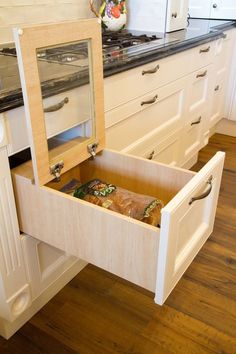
pixel 223 9
pixel 177 13
pixel 200 8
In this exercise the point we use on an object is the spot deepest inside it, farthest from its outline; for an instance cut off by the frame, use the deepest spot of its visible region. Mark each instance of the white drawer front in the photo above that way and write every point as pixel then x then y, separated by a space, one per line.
pixel 166 114
pixel 130 84
pixel 186 225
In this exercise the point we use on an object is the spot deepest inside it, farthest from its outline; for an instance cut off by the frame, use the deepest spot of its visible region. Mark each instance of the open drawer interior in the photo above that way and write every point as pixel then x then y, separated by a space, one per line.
pixel 112 241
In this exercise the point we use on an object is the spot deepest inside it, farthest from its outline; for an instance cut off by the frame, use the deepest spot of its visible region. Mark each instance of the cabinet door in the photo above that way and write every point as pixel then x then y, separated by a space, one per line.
pixel 223 9
pixel 177 13
pixel 200 8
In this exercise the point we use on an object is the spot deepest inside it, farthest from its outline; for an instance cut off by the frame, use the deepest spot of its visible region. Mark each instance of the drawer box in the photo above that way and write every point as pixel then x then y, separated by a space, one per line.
pixel 151 257
pixel 145 255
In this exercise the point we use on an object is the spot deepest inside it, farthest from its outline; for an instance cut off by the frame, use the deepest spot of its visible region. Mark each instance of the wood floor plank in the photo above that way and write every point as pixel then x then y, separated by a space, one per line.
pixel 191 335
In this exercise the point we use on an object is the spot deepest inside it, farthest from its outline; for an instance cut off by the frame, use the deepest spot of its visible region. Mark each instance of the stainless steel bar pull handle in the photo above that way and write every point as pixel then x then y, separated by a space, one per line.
pixel 205 50
pixel 151 71
pixel 205 194
pixel 202 74
pixel 152 100
pixel 197 121
pixel 56 106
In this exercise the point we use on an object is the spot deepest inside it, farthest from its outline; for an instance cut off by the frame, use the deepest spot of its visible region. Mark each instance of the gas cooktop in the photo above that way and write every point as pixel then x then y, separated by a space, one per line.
pixel 117 46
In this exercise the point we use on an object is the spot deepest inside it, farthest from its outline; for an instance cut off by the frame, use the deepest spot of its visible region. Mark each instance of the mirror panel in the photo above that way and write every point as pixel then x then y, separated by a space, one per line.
pixel 68 116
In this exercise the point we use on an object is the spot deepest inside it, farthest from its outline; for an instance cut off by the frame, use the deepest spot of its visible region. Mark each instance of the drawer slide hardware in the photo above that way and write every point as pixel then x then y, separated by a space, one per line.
pixel 92 148
pixel 205 50
pixel 56 106
pixel 55 170
pixel 197 121
pixel 202 74
pixel 152 100
pixel 205 194
pixel 151 71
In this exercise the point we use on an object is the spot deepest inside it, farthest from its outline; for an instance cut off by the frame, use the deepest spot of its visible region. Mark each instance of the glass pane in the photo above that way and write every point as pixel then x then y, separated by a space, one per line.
pixel 64 72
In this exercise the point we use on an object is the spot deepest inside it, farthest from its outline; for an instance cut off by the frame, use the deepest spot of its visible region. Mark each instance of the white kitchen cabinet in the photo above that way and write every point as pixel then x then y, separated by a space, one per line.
pixel 177 14
pixel 200 8
pixel 178 104
pixel 157 15
pixel 154 258
pixel 195 125
pixel 217 9
pixel 221 69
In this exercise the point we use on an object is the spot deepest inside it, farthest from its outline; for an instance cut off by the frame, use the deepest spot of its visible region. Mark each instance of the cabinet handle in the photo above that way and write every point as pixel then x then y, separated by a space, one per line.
pixel 214 6
pixel 224 35
pixel 174 15
pixel 205 50
pixel 152 100
pixel 150 156
pixel 197 121
pixel 217 87
pixel 56 106
pixel 201 74
pixel 151 71
pixel 205 194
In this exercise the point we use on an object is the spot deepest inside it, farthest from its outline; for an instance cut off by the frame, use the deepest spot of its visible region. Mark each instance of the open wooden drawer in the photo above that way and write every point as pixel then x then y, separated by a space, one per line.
pixel 154 258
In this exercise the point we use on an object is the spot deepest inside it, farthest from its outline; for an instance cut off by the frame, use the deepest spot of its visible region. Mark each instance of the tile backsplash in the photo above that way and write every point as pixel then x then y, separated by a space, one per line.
pixel 20 12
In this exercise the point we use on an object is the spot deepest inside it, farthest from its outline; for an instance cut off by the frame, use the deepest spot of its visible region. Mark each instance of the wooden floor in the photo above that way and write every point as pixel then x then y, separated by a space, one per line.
pixel 97 313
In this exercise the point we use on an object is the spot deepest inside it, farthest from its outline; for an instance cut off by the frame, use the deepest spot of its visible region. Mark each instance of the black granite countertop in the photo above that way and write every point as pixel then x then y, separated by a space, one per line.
pixel 199 31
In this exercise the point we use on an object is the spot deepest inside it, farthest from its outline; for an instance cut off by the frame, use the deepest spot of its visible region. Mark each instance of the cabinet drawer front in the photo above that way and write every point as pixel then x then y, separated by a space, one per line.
pixel 154 147
pixel 164 115
pixel 128 85
pixel 186 224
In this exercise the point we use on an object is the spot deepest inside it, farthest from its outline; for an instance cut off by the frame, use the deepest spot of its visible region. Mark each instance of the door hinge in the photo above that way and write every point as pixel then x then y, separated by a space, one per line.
pixel 92 148
pixel 55 170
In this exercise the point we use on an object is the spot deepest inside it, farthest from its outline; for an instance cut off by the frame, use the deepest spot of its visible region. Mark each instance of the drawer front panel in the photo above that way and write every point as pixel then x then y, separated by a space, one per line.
pixel 154 147
pixel 128 85
pixel 164 115
pixel 186 224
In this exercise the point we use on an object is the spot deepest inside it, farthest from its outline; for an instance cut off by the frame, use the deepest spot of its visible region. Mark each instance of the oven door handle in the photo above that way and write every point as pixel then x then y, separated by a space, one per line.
pixel 56 106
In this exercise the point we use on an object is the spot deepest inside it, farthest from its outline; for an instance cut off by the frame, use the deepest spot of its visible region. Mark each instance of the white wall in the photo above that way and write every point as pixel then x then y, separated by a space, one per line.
pixel 19 12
